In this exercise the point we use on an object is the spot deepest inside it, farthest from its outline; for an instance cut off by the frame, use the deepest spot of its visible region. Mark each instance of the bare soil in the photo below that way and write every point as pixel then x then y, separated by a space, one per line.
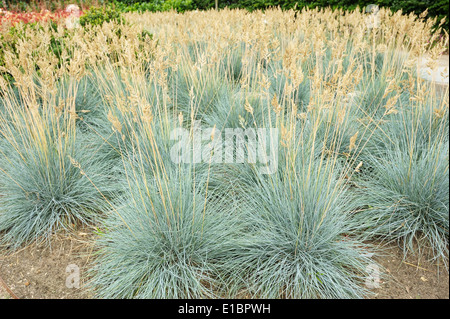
pixel 38 272
pixel 410 277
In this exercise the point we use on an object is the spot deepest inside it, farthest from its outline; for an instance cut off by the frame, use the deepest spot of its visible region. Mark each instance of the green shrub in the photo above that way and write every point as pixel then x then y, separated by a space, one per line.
pixel 153 6
pixel 99 15
pixel 438 9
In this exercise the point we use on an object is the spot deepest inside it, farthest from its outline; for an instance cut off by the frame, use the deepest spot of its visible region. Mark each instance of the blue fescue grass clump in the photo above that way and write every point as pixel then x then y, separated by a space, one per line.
pixel 196 88
pixel 407 198
pixel 154 250
pixel 41 191
pixel 406 190
pixel 298 244
pixel 415 128
pixel 89 106
pixel 167 237
pixel 44 163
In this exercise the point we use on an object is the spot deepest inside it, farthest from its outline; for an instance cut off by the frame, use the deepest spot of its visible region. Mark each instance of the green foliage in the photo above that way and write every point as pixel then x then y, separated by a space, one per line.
pixel 98 15
pixel 153 6
pixel 438 9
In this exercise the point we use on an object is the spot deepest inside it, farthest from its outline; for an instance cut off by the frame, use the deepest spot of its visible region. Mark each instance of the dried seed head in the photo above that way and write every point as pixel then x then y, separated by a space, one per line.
pixel 117 126
pixel 276 106
pixel 353 142
pixel 248 107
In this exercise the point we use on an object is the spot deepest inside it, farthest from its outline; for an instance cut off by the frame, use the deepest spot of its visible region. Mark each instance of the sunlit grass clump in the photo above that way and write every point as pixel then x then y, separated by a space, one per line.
pixel 44 165
pixel 300 245
pixel 167 237
pixel 407 191
pixel 407 200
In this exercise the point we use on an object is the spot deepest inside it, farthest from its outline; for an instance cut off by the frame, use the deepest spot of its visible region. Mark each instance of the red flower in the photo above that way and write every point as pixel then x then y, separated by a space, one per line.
pixel 43 15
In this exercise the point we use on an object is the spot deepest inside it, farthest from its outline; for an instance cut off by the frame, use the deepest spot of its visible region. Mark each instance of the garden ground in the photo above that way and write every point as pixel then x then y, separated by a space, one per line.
pixel 39 272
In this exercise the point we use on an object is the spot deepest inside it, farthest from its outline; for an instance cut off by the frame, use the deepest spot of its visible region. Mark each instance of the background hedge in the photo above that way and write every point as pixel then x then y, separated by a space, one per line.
pixel 436 8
